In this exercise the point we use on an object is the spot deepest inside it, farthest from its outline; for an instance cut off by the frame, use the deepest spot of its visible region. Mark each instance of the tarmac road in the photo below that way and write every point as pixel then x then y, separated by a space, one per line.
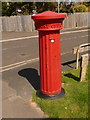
pixel 20 49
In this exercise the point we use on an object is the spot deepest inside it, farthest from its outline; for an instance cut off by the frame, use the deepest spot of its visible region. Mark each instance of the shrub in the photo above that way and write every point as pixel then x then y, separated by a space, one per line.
pixel 66 10
pixel 80 8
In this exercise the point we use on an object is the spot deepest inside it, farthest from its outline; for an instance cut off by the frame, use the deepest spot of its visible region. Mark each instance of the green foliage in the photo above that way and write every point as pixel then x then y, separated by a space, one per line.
pixel 4 9
pixel 88 73
pixel 80 8
pixel 10 8
pixel 27 8
pixel 66 10
pixel 44 6
pixel 40 7
pixel 50 6
pixel 88 9
pixel 75 102
pixel 0 9
pixel 87 4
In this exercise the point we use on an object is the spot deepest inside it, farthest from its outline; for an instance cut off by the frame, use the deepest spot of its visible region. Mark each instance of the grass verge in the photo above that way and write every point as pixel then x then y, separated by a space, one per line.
pixel 75 102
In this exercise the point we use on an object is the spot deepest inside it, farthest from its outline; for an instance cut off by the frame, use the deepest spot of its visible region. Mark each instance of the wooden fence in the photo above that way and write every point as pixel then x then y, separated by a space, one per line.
pixel 25 23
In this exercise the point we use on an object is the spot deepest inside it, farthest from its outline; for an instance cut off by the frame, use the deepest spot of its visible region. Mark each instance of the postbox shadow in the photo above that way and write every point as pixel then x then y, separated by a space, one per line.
pixel 71 63
pixel 32 76
pixel 69 75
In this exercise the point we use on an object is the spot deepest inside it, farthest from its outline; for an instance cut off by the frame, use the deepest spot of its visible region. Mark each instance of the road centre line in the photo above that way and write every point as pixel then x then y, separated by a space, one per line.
pixel 15 39
pixel 75 31
pixel 11 66
pixel 29 37
pixel 76 37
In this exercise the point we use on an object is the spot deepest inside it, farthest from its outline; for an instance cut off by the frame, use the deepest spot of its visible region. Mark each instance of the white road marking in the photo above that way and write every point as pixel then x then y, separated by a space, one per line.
pixel 75 31
pixel 75 37
pixel 12 66
pixel 15 39
pixel 29 37
pixel 85 36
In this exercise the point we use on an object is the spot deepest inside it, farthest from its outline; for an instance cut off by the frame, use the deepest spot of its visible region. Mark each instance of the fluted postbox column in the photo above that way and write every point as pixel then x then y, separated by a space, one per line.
pixel 49 24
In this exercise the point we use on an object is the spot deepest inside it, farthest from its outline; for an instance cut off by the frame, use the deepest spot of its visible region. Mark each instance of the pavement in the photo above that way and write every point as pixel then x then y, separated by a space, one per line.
pixel 19 83
pixel 18 86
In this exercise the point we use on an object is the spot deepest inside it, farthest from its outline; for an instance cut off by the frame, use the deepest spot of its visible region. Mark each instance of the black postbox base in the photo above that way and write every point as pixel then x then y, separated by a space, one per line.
pixel 52 97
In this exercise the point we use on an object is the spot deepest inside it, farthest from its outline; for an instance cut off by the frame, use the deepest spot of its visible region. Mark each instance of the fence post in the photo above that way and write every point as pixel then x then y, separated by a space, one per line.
pixel 77 58
pixel 83 69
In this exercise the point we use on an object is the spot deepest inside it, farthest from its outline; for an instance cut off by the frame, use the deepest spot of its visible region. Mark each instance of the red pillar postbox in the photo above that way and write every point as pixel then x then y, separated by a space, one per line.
pixel 49 24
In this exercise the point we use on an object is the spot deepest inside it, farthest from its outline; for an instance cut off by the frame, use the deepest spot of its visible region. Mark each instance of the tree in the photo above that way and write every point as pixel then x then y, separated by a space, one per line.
pixel 5 9
pixel 44 6
pixel 27 8
pixel 66 7
pixel 80 8
pixel 87 4
pixel 50 6
pixel 10 8
pixel 39 6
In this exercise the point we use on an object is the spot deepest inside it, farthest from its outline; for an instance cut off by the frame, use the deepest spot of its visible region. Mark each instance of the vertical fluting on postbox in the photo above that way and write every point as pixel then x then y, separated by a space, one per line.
pixel 50 67
pixel 48 24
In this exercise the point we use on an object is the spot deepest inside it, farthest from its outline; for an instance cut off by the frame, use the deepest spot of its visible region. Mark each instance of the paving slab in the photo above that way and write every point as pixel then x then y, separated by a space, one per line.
pixel 7 91
pixel 16 107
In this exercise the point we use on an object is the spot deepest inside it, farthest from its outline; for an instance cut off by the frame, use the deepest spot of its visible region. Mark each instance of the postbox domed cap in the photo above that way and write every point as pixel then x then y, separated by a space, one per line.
pixel 49 15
